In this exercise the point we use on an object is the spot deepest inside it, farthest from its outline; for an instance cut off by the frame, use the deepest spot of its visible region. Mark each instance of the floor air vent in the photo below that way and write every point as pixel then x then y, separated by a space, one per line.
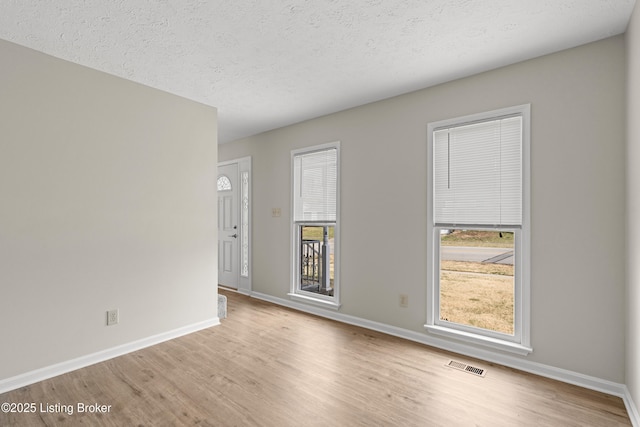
pixel 466 368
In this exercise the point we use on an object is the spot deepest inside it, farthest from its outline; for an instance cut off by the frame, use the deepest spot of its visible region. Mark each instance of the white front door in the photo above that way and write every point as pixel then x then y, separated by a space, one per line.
pixel 228 221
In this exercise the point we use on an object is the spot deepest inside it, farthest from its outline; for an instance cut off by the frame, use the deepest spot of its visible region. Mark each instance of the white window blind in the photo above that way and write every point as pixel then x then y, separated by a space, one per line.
pixel 315 185
pixel 478 173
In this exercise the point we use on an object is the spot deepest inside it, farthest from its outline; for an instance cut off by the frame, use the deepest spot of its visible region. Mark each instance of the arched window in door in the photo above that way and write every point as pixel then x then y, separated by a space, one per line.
pixel 224 184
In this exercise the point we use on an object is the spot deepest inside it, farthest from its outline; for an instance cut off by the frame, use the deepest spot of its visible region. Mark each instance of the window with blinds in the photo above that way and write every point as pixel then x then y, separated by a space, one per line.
pixel 478 202
pixel 478 173
pixel 315 186
pixel 314 225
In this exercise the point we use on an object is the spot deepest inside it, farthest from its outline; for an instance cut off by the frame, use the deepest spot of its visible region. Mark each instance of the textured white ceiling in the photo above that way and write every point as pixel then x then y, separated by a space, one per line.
pixel 266 64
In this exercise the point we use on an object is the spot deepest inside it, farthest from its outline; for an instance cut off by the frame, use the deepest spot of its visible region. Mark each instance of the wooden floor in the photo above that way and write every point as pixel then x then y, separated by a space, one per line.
pixel 270 366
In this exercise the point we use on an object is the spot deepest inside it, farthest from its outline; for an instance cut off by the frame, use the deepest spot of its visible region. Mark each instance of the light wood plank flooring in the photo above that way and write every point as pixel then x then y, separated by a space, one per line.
pixel 270 366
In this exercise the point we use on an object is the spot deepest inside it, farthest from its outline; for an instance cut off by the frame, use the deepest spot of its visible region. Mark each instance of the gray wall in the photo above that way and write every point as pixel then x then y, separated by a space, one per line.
pixel 107 201
pixel 633 207
pixel 578 200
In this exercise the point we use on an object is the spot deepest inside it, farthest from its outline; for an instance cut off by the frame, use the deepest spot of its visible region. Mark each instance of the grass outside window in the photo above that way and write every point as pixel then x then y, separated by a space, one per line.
pixel 478 293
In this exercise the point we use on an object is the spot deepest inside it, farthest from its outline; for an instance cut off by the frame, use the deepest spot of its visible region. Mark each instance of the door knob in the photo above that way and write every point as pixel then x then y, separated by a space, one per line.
pixel 235 236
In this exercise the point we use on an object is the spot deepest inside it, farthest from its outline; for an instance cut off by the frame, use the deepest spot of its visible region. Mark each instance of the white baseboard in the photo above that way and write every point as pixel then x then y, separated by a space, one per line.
pixel 41 374
pixel 632 409
pixel 559 374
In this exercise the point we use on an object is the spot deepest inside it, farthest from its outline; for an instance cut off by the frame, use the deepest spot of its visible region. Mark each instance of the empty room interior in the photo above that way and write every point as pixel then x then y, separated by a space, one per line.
pixel 320 213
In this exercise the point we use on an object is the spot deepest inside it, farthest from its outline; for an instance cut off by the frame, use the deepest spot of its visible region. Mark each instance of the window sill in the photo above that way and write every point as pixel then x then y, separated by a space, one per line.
pixel 494 343
pixel 315 301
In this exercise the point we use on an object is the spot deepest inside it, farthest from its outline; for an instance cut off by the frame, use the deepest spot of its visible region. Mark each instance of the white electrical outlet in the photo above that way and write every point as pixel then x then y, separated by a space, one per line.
pixel 404 300
pixel 113 316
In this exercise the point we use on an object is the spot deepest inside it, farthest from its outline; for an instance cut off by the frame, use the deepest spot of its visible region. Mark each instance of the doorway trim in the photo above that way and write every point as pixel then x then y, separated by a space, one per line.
pixel 244 206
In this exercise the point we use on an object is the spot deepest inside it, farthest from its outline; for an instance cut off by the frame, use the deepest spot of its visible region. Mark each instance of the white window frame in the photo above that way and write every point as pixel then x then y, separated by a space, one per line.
pixel 297 294
pixel 519 343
